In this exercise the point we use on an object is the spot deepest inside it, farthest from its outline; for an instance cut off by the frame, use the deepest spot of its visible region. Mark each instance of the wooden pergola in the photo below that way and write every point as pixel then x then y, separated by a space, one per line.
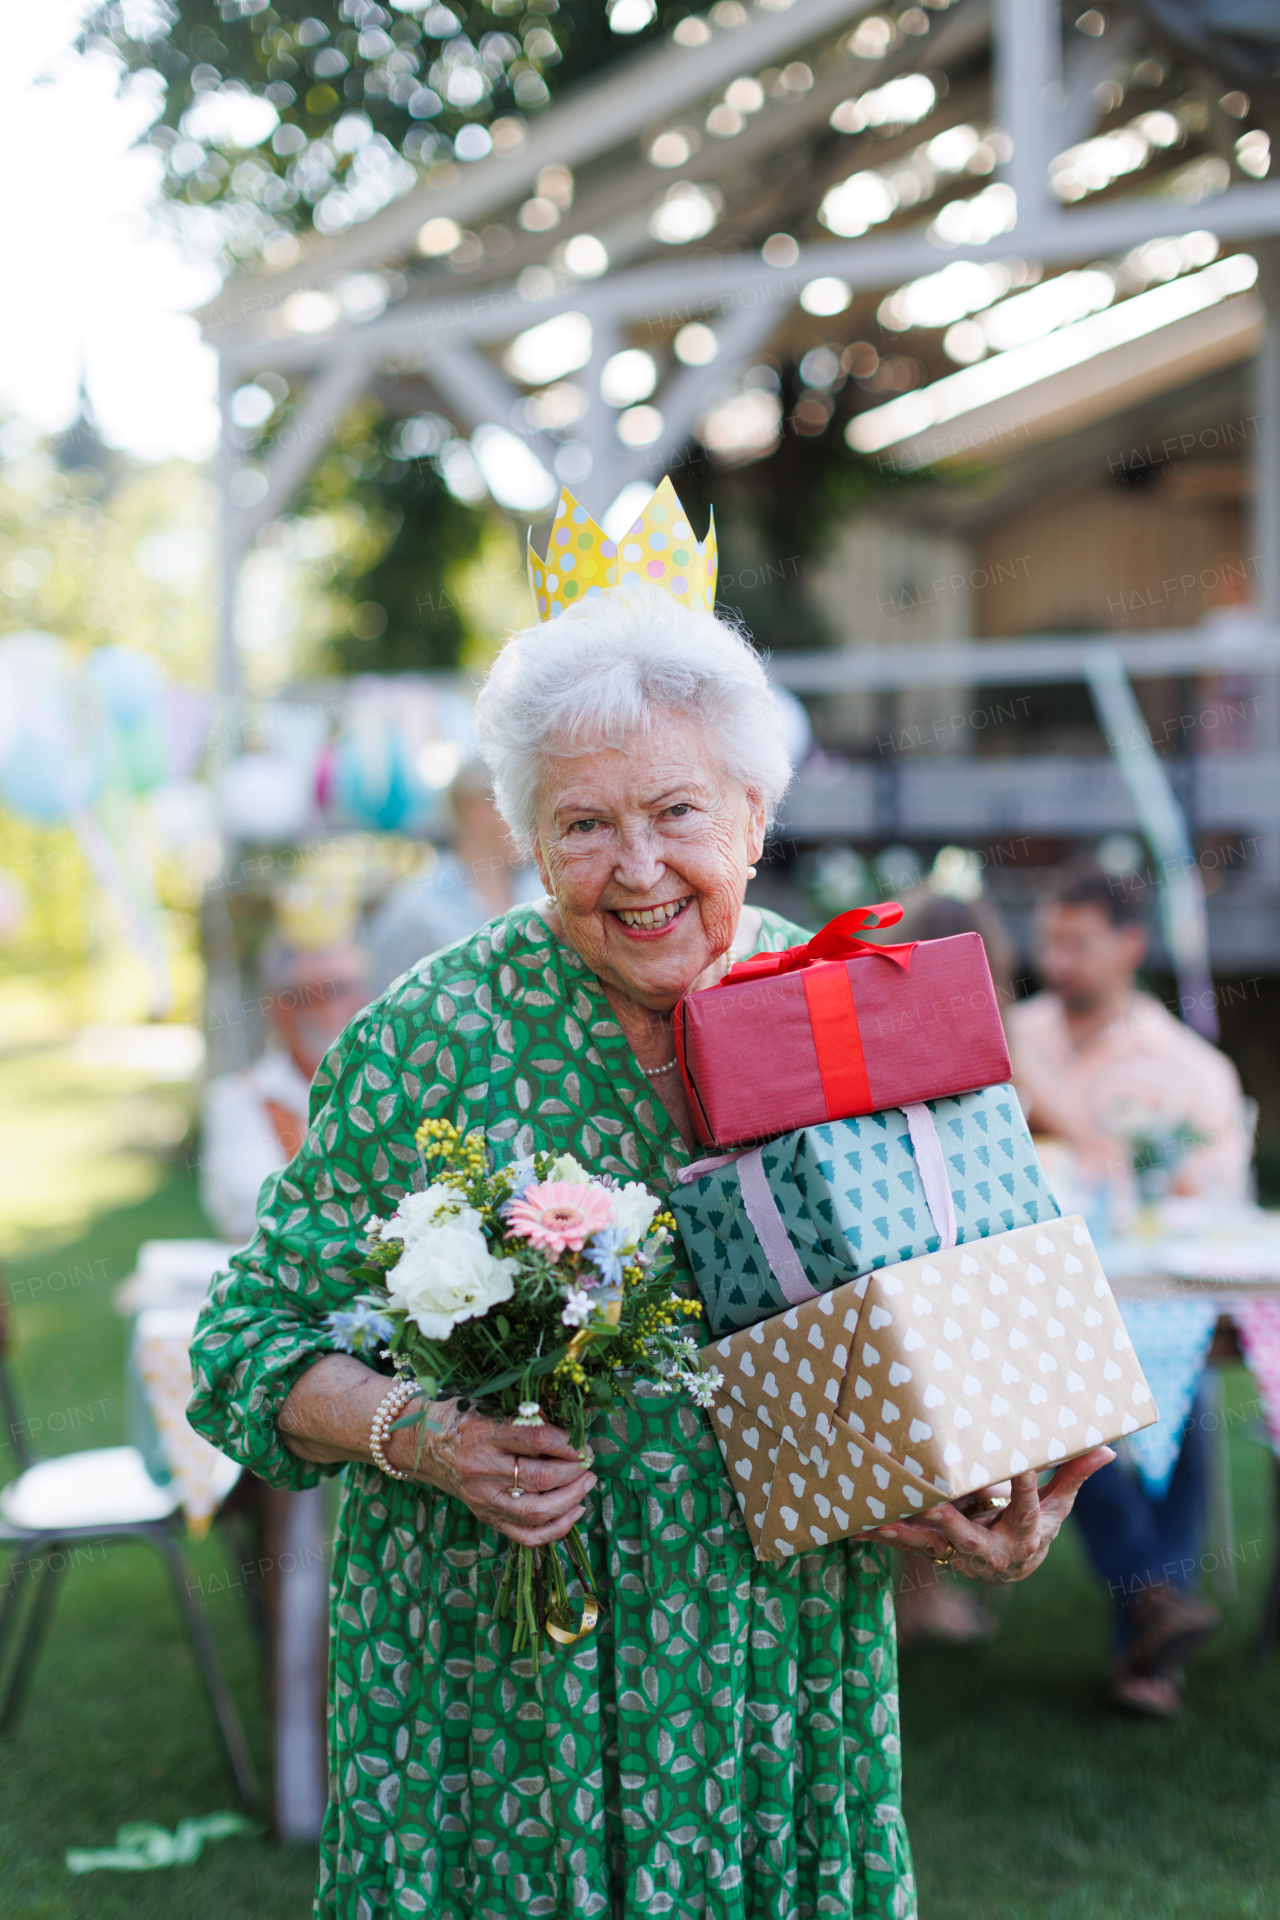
pixel 596 177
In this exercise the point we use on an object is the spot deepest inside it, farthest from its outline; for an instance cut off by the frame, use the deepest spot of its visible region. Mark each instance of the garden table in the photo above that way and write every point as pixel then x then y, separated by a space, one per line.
pixel 285 1577
pixel 1213 1272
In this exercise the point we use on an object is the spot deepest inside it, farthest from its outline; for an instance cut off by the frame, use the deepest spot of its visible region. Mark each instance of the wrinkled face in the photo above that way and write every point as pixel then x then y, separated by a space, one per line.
pixel 1082 957
pixel 645 853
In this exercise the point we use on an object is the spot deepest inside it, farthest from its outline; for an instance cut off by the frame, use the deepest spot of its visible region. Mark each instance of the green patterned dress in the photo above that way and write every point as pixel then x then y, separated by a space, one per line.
pixel 725 1745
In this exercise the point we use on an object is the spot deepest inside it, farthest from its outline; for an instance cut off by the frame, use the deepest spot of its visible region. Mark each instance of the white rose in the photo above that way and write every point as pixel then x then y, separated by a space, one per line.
pixel 633 1211
pixel 572 1172
pixel 448 1274
pixel 419 1212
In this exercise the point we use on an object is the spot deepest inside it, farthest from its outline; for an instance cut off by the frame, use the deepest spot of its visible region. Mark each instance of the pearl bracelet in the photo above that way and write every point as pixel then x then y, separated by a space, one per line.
pixel 389 1409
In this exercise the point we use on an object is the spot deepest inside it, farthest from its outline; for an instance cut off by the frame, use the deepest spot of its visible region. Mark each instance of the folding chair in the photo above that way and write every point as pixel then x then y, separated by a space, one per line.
pixel 101 1494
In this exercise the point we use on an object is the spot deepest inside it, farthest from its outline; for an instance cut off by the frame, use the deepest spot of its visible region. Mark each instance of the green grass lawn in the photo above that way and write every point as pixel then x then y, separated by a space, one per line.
pixel 1027 1799
pixel 117 1726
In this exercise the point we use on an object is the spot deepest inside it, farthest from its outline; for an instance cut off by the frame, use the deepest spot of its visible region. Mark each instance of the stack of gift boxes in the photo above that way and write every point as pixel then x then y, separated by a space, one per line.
pixel 900 1314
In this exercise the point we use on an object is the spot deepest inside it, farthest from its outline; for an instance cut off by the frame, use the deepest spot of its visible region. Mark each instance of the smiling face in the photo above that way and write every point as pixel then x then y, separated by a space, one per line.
pixel 645 853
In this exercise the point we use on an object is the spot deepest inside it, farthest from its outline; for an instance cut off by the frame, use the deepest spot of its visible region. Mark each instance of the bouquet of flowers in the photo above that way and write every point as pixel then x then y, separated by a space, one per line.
pixel 537 1292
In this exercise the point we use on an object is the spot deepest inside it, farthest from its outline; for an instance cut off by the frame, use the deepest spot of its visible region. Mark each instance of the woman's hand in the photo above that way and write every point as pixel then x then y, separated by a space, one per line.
pixel 329 1412
pixel 475 1459
pixel 1013 1541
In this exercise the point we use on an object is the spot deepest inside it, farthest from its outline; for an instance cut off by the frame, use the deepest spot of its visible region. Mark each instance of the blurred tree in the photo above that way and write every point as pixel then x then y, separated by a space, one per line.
pixel 127 560
pixel 99 550
pixel 775 514
pixel 277 120
pixel 275 123
pixel 391 610
pixel 58 932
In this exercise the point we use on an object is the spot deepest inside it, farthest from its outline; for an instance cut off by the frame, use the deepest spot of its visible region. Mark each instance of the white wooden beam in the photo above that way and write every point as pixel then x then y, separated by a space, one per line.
pixel 595 118
pixel 333 392
pixel 479 393
pixel 867 264
pixel 855 668
pixel 689 391
pixel 1266 510
pixel 1108 382
pixel 311 430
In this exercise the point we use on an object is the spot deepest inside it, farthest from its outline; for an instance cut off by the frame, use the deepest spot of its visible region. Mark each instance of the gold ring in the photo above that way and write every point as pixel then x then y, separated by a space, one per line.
pixel 514 1488
pixel 944 1559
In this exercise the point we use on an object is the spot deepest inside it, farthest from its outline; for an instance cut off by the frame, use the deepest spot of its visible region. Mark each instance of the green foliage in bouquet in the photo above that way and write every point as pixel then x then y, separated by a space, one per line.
pixel 536 1293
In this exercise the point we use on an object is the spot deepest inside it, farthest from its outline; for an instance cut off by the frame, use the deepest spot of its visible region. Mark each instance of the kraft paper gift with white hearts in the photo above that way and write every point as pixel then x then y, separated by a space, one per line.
pixel 923 1381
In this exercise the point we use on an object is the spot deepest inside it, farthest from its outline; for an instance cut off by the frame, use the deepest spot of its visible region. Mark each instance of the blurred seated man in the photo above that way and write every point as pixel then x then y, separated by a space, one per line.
pixel 1108 1069
pixel 254 1121
pixel 448 898
pixel 1104 1067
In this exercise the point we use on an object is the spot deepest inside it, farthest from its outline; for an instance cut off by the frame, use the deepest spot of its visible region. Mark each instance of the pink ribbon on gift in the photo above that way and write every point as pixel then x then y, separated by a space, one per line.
pixel 762 1209
pixel 932 1166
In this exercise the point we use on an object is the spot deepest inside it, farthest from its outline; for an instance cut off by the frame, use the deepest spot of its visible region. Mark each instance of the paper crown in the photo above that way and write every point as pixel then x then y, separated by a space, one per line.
pixel 658 549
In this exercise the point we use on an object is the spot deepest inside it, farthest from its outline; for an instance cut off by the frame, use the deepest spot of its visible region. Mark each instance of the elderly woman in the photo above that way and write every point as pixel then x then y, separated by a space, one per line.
pixel 726 1742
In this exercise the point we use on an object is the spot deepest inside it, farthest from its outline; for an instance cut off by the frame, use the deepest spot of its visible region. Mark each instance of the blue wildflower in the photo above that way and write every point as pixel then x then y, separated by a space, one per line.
pixel 606 1251
pixel 362 1329
pixel 523 1174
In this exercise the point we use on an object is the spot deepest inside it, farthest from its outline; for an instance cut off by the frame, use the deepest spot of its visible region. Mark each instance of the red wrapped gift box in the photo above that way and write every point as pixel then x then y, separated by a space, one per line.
pixel 837 1028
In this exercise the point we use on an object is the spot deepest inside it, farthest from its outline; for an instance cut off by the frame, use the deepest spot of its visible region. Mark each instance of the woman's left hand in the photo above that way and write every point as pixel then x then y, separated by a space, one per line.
pixel 1014 1542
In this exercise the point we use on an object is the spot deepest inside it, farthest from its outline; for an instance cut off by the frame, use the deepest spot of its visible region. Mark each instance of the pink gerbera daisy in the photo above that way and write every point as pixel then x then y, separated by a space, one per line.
pixel 559 1214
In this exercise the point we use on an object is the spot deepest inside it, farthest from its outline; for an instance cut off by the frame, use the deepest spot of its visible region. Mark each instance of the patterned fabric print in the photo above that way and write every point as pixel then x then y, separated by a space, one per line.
pixel 850 1197
pixel 725 1745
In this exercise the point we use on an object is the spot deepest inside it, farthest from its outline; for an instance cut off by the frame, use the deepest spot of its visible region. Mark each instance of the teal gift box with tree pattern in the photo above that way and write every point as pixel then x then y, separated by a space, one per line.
pixel 813 1209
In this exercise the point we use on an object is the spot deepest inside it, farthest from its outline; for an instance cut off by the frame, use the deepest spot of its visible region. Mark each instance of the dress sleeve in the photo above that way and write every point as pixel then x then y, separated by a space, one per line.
pixel 263 1324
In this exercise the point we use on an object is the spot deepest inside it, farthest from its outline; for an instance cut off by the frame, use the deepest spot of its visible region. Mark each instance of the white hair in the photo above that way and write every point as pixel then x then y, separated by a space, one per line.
pixel 602 673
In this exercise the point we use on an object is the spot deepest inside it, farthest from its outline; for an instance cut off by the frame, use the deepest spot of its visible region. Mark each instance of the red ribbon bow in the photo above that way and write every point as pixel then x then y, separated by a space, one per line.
pixel 838 940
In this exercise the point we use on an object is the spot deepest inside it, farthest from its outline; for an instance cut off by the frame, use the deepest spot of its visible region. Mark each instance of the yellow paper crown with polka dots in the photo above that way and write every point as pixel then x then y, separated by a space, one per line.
pixel 658 549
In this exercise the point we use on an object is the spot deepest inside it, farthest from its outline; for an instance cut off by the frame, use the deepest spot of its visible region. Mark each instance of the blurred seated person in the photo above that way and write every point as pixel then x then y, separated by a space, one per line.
pixel 254 1121
pixel 449 897
pixel 1106 1068
pixel 931 1605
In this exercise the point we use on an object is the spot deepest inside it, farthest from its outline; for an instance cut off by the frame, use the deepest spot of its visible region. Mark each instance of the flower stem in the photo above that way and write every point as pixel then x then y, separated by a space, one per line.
pixel 503 1600
pixel 577 1550
pixel 533 1581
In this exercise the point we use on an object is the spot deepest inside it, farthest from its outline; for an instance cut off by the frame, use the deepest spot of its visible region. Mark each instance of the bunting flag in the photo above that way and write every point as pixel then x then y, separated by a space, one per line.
pixel 1258 1324
pixel 1171 1339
